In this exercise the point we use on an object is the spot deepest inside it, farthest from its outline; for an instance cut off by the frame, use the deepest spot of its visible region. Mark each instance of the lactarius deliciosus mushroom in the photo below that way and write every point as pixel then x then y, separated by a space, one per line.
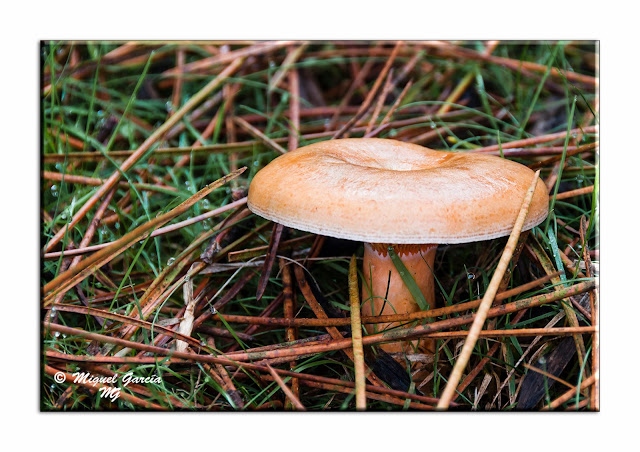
pixel 395 196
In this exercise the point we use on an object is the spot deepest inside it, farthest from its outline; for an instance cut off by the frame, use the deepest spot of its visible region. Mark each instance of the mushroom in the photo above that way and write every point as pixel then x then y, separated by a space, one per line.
pixel 402 200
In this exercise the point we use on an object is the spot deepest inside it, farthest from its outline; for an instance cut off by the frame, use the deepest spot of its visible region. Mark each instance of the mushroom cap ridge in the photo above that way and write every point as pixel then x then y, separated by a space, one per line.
pixel 386 191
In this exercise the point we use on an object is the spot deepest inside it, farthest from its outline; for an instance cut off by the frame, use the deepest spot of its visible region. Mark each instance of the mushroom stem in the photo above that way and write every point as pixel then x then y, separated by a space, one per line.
pixel 382 277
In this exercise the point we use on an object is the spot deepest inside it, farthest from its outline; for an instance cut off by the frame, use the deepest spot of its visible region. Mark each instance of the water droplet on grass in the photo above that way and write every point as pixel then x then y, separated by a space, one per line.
pixel 171 260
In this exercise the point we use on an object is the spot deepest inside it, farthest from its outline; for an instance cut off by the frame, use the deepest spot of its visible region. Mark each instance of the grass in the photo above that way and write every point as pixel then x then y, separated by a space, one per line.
pixel 99 99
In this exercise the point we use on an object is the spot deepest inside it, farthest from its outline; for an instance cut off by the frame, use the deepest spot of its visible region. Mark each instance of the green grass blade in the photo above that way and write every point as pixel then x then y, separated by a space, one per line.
pixel 408 279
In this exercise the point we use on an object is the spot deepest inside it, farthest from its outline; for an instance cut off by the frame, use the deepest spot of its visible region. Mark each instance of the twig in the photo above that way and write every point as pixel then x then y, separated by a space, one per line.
pixel 595 320
pixel 357 83
pixel 369 99
pixel 265 312
pixel 431 313
pixel 356 336
pixel 127 320
pixel 243 255
pixel 385 121
pixel 533 141
pixel 93 181
pixel 221 332
pixel 294 400
pixel 286 65
pixel 485 305
pixel 519 332
pixel 370 395
pixel 269 259
pixel 388 86
pixel 227 383
pixel 548 375
pixel 177 86
pixel 464 83
pixel 294 108
pixel 259 135
pixel 516 65
pixel 229 57
pixel 571 151
pixel 572 193
pixel 570 393
pixel 289 313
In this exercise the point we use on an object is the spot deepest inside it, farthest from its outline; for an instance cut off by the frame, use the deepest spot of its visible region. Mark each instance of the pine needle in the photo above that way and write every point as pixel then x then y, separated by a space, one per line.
pixel 356 336
pixel 487 300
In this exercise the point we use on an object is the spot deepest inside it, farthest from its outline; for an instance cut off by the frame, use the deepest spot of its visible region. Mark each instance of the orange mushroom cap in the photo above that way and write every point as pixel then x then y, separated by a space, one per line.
pixel 386 191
